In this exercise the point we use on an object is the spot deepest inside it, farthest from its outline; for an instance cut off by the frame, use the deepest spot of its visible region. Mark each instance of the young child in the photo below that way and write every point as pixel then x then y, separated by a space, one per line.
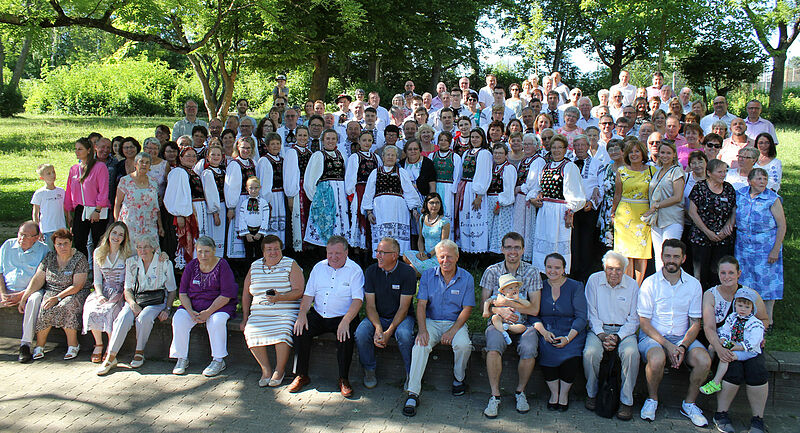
pixel 48 203
pixel 742 333
pixel 253 220
pixel 509 290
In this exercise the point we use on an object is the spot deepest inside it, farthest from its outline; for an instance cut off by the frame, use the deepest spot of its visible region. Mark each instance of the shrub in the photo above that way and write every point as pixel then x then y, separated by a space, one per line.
pixel 11 101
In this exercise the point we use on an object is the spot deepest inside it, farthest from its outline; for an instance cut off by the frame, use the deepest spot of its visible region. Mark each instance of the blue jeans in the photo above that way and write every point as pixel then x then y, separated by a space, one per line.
pixel 404 334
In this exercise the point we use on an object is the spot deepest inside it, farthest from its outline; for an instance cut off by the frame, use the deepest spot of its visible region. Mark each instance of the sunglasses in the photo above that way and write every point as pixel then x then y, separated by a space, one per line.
pixel 714 145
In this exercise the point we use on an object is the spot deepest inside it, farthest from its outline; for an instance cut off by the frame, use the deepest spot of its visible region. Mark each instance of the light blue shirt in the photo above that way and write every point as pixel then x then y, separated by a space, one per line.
pixel 446 300
pixel 18 266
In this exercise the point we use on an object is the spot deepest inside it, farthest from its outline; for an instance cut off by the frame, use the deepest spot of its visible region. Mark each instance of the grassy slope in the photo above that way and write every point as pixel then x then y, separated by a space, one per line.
pixel 26 142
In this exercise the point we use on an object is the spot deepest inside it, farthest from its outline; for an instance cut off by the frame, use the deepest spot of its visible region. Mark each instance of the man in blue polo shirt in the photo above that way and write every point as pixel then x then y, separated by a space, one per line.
pixel 389 288
pixel 19 259
pixel 444 302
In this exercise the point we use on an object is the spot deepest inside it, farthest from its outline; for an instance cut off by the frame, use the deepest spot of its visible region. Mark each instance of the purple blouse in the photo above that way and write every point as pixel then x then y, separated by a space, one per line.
pixel 203 288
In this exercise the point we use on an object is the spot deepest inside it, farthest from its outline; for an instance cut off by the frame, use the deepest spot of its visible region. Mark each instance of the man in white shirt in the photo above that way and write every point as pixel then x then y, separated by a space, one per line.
pixel 615 105
pixel 670 308
pixel 447 122
pixel 655 89
pixel 499 101
pixel 586 119
pixel 344 114
pixel 561 88
pixel 685 97
pixel 574 95
pixel 348 142
pixel 665 95
pixel 357 108
pixel 436 103
pixel 241 110
pixel 607 132
pixel 611 298
pixel 409 87
pixel 757 124
pixel 335 287
pixel 383 114
pixel 455 103
pixel 628 90
pixel 486 93
pixel 288 130
pixel 604 99
pixel 370 124
pixel 246 130
pixel 185 125
pixel 463 84
pixel 720 113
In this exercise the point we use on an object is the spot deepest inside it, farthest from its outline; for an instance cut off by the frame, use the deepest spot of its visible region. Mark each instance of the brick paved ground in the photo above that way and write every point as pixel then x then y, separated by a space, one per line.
pixel 57 395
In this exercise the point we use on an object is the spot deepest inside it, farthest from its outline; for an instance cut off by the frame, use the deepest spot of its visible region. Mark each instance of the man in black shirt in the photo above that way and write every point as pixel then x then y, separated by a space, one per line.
pixel 389 288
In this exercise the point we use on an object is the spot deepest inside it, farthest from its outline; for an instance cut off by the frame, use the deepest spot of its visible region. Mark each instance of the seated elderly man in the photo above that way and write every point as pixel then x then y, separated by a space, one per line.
pixel 336 289
pixel 19 259
pixel 444 302
pixel 611 298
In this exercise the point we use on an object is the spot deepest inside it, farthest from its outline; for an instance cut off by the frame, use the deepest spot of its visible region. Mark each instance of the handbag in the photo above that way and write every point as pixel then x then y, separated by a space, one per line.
pixel 608 383
pixel 150 297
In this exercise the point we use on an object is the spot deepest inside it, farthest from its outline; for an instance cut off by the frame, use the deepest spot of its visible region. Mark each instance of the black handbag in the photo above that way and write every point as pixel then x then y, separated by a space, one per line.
pixel 609 383
pixel 150 297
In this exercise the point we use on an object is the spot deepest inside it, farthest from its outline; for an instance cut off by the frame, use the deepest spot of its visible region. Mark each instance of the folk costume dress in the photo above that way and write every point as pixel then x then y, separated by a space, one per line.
pixel 294 170
pixel 472 226
pixel 270 171
pixel 448 167
pixel 562 191
pixel 185 198
pixel 390 195
pixel 214 190
pixel 524 212
pixel 359 166
pixel 500 195
pixel 324 186
pixel 237 172
pixel 631 234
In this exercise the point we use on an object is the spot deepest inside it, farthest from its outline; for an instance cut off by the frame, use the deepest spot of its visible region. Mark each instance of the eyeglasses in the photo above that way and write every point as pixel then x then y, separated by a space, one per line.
pixel 744 157
pixel 512 248
pixel 714 145
pixel 606 123
pixel 383 253
pixel 472 99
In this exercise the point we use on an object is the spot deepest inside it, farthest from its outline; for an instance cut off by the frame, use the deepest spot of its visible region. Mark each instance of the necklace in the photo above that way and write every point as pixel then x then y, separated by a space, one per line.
pixel 434 221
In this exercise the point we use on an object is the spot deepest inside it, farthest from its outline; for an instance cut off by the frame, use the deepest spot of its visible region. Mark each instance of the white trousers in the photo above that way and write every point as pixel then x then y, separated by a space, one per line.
pixel 659 235
pixel 462 348
pixel 32 306
pixel 216 325
pixel 124 322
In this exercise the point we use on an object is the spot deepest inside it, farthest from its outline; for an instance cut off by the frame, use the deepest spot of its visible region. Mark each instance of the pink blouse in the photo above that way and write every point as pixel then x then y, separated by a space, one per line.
pixel 95 188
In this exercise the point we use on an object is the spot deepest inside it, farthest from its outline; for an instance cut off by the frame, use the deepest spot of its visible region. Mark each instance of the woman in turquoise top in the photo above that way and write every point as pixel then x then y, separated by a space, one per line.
pixel 434 227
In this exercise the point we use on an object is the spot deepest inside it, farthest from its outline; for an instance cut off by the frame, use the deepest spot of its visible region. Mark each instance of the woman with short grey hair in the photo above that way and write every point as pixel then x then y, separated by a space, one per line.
pixel 149 292
pixel 137 200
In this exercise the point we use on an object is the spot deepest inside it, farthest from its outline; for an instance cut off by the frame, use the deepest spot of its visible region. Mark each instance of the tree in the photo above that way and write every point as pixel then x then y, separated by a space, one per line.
pixel 623 31
pixel 767 18
pixel 720 65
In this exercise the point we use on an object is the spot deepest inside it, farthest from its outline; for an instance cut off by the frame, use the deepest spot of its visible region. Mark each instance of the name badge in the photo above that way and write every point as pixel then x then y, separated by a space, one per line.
pixel 455 292
pixel 395 287
pixel 197 282
pixel 67 273
pixel 723 199
pixel 621 299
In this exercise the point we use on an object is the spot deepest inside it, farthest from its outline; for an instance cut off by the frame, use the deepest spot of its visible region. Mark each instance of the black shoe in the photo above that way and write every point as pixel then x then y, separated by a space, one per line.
pixel 459 389
pixel 25 354
pixel 563 407
pixel 552 406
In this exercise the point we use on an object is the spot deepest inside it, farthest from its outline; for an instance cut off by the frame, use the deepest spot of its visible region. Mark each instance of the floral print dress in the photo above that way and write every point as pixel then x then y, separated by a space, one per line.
pixel 139 207
pixel 604 220
pixel 631 234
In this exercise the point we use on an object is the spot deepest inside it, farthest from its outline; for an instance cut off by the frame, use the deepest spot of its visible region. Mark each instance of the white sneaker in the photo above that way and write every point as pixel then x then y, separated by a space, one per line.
pixel 691 411
pixel 649 410
pixel 214 368
pixel 522 403
pixel 180 366
pixel 491 408
pixel 38 352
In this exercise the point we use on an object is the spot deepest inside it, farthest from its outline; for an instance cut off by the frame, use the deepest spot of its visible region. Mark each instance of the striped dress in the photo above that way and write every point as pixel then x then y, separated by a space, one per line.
pixel 270 324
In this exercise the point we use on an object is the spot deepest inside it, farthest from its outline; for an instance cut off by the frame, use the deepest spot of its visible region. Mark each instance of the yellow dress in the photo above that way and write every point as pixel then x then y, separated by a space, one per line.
pixel 631 235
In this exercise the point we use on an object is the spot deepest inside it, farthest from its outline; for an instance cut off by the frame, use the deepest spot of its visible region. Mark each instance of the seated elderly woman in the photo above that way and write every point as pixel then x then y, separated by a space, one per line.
pixel 64 275
pixel 270 302
pixel 149 292
pixel 208 295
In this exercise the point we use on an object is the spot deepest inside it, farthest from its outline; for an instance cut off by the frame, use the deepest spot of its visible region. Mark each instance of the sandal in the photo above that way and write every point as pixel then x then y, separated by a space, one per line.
pixel 710 388
pixel 72 352
pixel 138 359
pixel 409 410
pixel 97 356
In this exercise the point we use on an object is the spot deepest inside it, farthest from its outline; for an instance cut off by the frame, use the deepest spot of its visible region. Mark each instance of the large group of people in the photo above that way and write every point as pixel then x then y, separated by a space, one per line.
pixel 542 181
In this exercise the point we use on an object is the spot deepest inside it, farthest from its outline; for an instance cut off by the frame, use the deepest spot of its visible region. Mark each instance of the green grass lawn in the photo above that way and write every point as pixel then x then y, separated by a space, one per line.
pixel 27 141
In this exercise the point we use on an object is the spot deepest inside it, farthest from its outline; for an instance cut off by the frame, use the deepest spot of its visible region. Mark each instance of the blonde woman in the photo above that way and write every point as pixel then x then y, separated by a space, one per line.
pixel 666 199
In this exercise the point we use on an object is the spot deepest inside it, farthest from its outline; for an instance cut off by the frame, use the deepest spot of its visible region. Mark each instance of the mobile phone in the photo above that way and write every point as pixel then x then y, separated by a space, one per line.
pixel 271 292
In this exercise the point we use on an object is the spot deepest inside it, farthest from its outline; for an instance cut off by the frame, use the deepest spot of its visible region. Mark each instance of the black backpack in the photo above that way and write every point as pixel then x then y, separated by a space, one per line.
pixel 609 383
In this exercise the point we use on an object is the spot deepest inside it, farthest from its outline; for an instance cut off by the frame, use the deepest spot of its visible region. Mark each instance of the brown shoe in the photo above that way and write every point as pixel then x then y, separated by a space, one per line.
pixel 345 388
pixel 590 403
pixel 298 383
pixel 625 412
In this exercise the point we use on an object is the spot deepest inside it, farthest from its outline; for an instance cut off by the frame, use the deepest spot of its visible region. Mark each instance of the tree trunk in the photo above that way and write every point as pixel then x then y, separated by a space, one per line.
pixel 2 62
pixel 436 74
pixel 776 86
pixel 20 66
pixel 616 62
pixel 319 79
pixel 374 69
pixel 208 94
